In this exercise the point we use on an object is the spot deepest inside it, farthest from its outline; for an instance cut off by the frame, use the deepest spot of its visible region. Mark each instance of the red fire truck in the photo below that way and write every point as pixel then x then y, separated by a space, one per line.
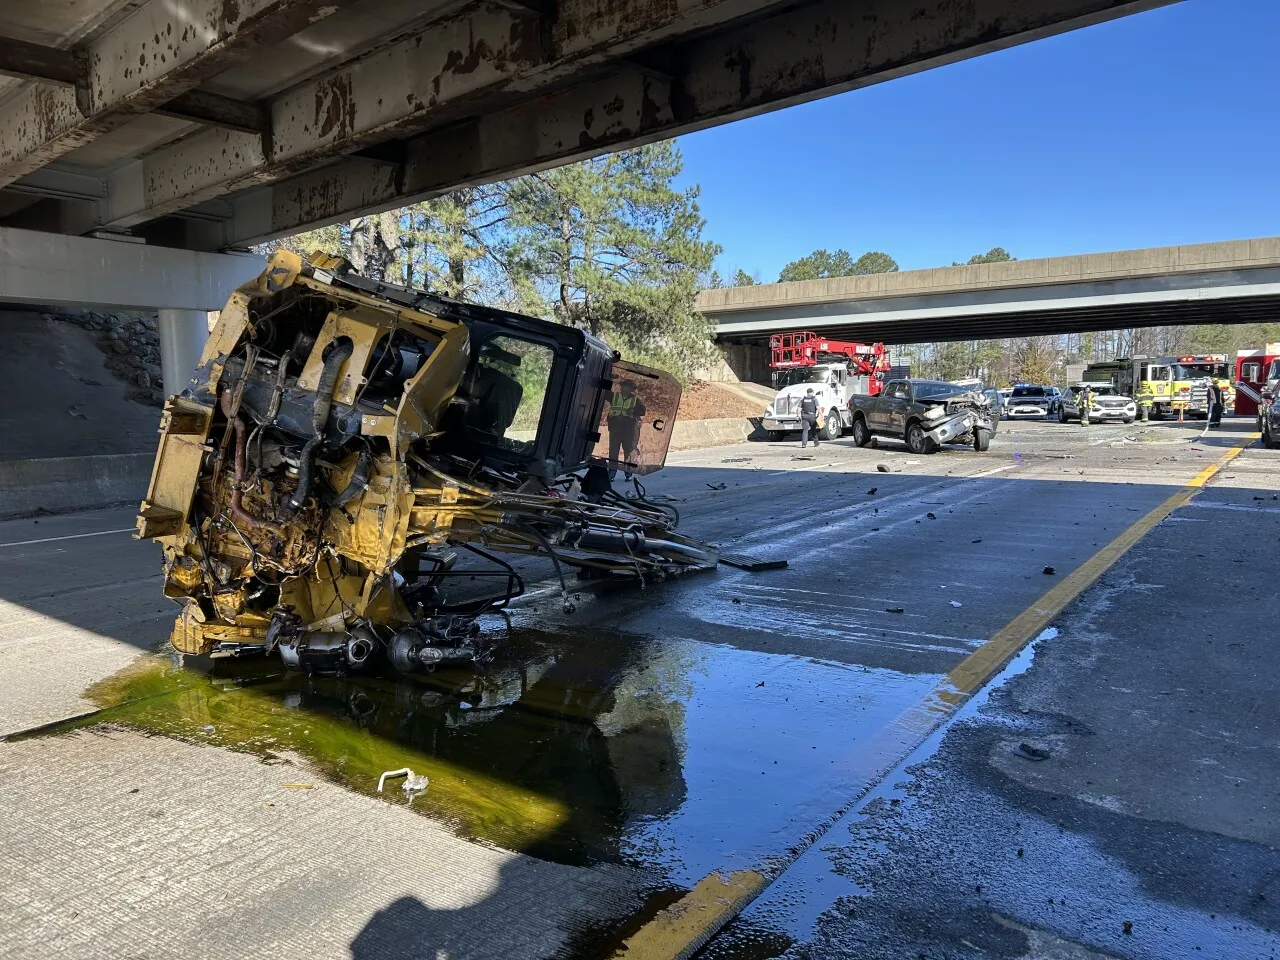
pixel 1253 372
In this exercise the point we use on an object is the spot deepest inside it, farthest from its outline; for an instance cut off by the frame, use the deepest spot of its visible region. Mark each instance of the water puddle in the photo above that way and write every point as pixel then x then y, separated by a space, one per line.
pixel 667 753
pixel 516 754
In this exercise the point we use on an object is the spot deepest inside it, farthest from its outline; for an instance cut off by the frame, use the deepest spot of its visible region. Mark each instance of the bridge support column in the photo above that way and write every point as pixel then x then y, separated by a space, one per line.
pixel 182 337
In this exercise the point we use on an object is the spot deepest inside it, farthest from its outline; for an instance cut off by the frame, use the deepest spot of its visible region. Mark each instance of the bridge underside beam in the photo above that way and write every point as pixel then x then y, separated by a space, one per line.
pixel 494 90
pixel 45 268
pixel 1232 307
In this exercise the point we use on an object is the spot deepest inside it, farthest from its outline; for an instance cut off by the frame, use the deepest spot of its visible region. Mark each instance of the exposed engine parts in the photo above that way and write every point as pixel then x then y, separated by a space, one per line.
pixel 348 449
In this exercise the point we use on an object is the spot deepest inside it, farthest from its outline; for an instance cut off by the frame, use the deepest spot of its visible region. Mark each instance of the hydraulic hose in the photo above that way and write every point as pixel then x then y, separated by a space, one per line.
pixel 237 494
pixel 338 353
pixel 306 473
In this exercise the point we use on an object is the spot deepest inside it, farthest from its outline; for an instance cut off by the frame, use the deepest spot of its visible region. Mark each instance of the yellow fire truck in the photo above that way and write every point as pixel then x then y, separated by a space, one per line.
pixel 1168 386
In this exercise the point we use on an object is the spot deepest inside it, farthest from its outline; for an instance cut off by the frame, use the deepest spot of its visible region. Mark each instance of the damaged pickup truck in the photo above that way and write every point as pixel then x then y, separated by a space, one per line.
pixel 926 414
pixel 344 443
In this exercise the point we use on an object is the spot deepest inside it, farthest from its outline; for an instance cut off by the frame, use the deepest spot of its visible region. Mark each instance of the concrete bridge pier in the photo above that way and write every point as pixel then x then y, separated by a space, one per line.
pixel 70 437
pixel 182 336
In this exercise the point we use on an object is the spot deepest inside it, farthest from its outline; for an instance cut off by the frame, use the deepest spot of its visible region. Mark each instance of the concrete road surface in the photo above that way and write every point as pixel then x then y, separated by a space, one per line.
pixel 617 754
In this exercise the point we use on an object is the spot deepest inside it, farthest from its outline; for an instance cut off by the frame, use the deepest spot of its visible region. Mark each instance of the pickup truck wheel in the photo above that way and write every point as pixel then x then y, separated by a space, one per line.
pixel 981 441
pixel 918 442
pixel 861 435
pixel 833 429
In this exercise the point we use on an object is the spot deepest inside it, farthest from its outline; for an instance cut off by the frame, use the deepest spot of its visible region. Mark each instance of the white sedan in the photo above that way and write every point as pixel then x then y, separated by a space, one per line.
pixel 1106 404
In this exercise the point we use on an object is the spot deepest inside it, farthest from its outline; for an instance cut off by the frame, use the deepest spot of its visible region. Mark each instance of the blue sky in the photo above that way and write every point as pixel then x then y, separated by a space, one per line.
pixel 1161 128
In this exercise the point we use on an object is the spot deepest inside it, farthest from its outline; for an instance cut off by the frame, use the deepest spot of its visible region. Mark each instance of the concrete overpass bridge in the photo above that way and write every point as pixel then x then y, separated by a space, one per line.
pixel 211 125
pixel 1233 282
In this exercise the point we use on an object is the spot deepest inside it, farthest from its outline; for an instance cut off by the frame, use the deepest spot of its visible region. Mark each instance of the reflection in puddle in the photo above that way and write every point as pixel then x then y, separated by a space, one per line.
pixel 536 753
pixel 670 754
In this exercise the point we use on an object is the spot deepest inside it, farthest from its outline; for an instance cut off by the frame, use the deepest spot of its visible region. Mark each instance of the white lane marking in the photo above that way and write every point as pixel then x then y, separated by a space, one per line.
pixel 988 473
pixel 70 536
pixel 1242 507
pixel 815 466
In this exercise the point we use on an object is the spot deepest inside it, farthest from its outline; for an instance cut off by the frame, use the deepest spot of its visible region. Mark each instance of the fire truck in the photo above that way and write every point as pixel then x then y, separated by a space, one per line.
pixel 836 370
pixel 1167 386
pixel 1254 370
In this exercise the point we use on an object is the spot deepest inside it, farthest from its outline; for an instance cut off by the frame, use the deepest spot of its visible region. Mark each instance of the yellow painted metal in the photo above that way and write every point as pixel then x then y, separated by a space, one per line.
pixel 184 429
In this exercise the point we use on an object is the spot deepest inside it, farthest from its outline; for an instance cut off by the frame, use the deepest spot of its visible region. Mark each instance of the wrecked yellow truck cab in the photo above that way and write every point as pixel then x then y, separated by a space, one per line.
pixel 343 442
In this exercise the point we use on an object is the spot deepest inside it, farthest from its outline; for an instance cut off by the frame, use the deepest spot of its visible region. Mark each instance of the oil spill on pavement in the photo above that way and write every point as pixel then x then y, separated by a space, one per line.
pixel 674 755
pixel 515 753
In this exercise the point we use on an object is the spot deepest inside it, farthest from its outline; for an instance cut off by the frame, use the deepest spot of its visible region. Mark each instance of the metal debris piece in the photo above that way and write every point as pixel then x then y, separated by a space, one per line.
pixel 882 467
pixel 1049 571
pixel 414 783
pixel 895 609
pixel 751 564
pixel 1031 752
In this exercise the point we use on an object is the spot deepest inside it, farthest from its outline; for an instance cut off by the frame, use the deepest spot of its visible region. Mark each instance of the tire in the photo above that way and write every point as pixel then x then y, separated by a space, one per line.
pixel 1062 414
pixel 981 441
pixel 1268 439
pixel 917 441
pixel 777 436
pixel 1128 420
pixel 833 429
pixel 861 434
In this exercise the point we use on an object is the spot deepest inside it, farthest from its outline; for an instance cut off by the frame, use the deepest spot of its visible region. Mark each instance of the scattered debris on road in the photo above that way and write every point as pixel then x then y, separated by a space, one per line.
pixel 1049 571
pixel 1031 752
pixel 413 783
pixel 718 486
pixel 882 467
pixel 751 564
pixel 895 610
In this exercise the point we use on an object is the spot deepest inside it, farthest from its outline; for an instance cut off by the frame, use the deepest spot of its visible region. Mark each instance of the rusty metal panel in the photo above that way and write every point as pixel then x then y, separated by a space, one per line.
pixel 392 91
pixel 159 52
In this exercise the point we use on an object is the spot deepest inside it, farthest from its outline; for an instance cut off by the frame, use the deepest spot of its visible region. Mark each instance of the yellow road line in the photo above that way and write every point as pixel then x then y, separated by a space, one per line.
pixel 687 925
pixel 683 928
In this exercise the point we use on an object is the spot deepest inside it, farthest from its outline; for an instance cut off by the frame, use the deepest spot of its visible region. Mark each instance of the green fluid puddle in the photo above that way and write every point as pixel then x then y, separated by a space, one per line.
pixel 544 753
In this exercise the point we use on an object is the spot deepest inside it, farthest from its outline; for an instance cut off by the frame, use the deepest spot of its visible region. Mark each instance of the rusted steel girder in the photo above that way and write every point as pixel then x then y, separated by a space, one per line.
pixel 802 54
pixel 159 53
pixel 486 56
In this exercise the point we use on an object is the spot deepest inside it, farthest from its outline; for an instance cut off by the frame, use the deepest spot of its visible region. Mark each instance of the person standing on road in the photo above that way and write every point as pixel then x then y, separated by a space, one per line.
pixel 1086 401
pixel 1216 403
pixel 808 418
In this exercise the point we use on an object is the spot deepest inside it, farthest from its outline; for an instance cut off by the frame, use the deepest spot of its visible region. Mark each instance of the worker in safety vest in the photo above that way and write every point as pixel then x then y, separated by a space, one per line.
pixel 1085 402
pixel 625 410
pixel 808 418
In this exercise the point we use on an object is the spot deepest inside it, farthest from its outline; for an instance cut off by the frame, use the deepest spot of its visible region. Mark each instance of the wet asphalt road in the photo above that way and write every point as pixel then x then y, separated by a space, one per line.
pixel 716 721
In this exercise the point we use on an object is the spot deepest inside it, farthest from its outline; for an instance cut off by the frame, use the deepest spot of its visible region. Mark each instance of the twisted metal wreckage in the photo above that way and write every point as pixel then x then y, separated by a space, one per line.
pixel 343 441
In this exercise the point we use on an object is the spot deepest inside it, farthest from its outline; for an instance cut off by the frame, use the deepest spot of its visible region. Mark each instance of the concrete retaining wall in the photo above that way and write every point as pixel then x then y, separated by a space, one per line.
pixel 692 434
pixel 59 484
